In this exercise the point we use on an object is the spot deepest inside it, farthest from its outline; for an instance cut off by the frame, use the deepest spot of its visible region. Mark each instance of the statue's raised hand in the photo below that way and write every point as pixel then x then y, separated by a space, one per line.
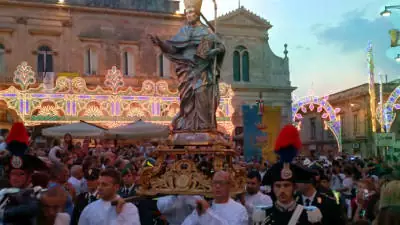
pixel 213 52
pixel 154 39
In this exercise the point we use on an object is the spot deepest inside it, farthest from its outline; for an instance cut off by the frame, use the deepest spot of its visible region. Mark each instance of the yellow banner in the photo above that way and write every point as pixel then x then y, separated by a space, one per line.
pixel 272 121
pixel 67 74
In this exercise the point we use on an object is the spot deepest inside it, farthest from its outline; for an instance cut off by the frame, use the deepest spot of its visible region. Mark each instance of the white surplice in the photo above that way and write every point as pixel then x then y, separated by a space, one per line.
pixel 230 213
pixel 176 208
pixel 62 219
pixel 258 199
pixel 102 212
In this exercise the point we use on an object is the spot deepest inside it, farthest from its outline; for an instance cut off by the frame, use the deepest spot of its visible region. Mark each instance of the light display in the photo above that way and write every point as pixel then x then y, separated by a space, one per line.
pixel 371 82
pixel 24 76
pixel 114 79
pixel 71 101
pixel 329 114
pixel 389 114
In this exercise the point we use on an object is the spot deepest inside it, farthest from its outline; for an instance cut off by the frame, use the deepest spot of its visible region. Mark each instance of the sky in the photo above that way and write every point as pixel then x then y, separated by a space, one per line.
pixel 327 40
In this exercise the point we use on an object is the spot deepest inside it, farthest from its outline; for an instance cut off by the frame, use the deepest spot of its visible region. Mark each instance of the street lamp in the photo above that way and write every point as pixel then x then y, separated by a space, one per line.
pixel 397 58
pixel 386 12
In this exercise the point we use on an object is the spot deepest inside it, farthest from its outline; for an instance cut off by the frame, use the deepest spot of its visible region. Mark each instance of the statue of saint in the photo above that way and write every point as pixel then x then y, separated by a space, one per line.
pixel 198 54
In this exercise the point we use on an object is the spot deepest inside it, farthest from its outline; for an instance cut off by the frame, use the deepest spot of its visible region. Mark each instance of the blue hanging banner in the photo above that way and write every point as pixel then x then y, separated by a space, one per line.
pixel 252 151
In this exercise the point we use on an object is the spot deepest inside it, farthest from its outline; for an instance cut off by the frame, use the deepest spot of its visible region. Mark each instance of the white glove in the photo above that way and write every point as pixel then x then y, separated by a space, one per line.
pixel 314 216
pixel 258 215
pixel 37 192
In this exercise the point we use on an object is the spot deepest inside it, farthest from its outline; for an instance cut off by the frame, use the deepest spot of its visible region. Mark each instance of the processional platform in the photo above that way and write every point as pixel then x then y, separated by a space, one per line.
pixel 187 174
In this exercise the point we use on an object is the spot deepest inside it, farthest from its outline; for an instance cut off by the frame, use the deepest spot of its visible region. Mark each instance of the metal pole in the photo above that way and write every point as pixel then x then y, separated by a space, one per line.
pixel 382 119
pixel 214 87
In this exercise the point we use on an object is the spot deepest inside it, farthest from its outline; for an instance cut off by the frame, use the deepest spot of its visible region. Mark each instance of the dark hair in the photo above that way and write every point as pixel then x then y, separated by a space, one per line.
pixel 89 162
pixel 40 179
pixel 348 170
pixel 118 163
pixel 254 174
pixel 56 142
pixel 56 170
pixel 113 173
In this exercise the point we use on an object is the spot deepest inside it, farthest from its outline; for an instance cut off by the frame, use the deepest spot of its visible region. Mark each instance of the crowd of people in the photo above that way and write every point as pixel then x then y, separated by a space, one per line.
pixel 78 184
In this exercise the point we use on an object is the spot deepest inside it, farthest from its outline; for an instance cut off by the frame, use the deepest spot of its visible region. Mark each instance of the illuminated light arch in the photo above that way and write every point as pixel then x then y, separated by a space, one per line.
pixel 389 109
pixel 111 104
pixel 321 105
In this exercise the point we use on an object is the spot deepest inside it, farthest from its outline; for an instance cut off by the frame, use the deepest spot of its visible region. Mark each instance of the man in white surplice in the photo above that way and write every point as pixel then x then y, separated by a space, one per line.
pixel 223 210
pixel 110 209
pixel 253 197
pixel 177 208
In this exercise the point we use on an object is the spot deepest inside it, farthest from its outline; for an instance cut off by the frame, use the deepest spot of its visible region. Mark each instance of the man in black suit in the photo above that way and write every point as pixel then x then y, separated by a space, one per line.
pixel 146 206
pixel 128 188
pixel 310 196
pixel 84 199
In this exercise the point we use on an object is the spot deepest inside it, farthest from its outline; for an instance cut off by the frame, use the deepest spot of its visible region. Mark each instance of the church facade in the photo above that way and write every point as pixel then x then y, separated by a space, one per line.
pixel 251 67
pixel 85 38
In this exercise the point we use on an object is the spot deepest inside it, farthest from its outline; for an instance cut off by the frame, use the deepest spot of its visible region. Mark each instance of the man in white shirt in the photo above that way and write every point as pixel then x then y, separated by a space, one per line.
pixel 110 209
pixel 223 211
pixel 76 178
pixel 253 197
pixel 337 177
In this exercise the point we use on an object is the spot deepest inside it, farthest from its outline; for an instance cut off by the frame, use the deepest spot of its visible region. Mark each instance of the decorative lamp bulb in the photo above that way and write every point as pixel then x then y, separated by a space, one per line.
pixel 397 58
pixel 386 12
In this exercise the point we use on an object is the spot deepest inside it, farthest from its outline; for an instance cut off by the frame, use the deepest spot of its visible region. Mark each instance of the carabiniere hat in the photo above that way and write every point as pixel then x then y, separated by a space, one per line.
pixel 287 146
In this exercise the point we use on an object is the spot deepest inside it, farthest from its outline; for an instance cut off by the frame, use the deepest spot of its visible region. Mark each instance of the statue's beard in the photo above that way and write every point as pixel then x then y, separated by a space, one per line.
pixel 194 20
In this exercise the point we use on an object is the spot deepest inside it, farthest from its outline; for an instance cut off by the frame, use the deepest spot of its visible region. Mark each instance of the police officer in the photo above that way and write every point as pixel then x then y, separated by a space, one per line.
pixel 283 176
pixel 84 199
pixel 19 204
pixel 310 196
pixel 128 187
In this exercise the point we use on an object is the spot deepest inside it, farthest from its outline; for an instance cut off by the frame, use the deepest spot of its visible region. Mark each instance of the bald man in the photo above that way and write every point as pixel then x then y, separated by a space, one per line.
pixel 223 210
pixel 76 178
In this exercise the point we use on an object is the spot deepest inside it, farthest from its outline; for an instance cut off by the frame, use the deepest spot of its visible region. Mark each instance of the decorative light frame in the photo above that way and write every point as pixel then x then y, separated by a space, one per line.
pixel 70 99
pixel 389 107
pixel 329 114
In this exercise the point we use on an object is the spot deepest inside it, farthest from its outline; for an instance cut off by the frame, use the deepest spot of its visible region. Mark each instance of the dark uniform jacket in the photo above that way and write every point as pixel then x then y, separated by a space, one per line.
pixel 20 208
pixel 125 192
pixel 330 210
pixel 82 201
pixel 278 216
pixel 146 206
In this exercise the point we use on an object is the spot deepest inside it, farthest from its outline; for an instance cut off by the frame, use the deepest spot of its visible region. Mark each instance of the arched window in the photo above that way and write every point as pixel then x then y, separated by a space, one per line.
pixel 128 64
pixel 90 61
pixel 45 59
pixel 241 64
pixel 245 66
pixel 164 66
pixel 2 59
pixel 161 65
